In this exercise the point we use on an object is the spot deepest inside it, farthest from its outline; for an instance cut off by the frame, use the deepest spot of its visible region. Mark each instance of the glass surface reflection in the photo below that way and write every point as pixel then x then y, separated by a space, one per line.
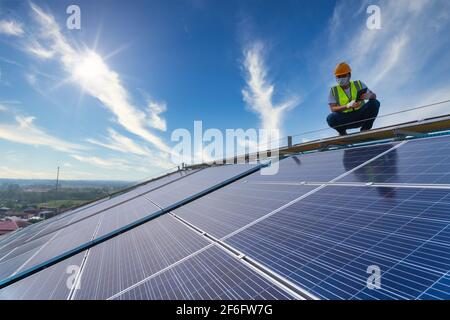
pixel 377 171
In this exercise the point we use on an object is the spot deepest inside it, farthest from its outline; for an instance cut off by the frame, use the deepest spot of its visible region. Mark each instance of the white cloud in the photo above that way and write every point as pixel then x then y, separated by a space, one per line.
pixel 39 51
pixel 259 92
pixel 90 71
pixel 156 121
pixel 121 143
pixel 11 28
pixel 26 132
pixel 117 142
pixel 115 163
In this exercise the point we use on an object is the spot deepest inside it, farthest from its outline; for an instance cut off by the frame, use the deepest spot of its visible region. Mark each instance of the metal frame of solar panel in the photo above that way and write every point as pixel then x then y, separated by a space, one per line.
pixel 312 231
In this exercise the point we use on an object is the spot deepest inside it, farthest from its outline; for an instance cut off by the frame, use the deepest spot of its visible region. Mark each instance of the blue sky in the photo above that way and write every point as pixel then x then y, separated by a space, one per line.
pixel 102 102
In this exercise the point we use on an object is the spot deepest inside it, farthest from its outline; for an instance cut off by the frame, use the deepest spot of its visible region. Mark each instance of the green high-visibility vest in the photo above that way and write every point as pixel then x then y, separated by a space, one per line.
pixel 342 98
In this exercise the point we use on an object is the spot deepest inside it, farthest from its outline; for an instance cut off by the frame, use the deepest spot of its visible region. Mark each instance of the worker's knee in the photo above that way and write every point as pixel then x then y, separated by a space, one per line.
pixel 333 119
pixel 374 104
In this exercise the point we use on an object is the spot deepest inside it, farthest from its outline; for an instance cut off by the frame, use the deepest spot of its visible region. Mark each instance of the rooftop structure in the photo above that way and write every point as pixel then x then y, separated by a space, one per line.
pixel 317 229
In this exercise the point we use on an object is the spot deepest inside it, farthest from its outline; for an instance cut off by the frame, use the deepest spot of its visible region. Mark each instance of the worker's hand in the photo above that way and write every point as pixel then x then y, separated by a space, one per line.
pixel 357 104
pixel 351 104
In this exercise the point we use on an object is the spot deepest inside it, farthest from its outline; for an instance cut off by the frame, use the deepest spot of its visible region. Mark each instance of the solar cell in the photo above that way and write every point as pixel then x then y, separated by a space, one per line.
pixel 323 166
pixel 193 184
pixel 135 255
pixel 325 242
pixel 125 213
pixel 53 246
pixel 422 161
pixel 236 205
pixel 54 283
pixel 209 275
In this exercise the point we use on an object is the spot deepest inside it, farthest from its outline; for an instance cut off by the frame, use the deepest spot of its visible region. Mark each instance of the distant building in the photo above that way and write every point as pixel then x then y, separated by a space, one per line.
pixel 4 212
pixel 22 223
pixel 46 214
pixel 31 211
pixel 8 226
pixel 21 215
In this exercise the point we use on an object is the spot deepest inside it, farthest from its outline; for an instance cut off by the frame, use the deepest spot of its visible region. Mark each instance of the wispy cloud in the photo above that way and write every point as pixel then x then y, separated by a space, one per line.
pixel 11 28
pixel 258 94
pixel 90 71
pixel 120 143
pixel 36 49
pixel 26 132
pixel 156 109
pixel 103 162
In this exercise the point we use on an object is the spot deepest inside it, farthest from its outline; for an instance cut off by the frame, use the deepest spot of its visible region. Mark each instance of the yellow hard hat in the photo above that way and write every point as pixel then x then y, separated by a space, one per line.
pixel 341 69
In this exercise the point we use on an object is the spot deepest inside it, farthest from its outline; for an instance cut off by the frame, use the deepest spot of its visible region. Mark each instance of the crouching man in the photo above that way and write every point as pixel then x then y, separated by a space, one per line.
pixel 348 109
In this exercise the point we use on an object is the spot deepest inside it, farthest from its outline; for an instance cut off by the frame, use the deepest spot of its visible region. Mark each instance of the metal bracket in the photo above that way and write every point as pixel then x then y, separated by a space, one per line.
pixel 402 134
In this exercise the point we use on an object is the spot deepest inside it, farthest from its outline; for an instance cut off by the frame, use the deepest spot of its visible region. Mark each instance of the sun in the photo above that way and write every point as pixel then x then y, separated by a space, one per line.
pixel 89 69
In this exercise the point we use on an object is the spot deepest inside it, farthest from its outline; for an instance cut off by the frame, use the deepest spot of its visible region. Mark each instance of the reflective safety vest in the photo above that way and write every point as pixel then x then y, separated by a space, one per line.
pixel 341 96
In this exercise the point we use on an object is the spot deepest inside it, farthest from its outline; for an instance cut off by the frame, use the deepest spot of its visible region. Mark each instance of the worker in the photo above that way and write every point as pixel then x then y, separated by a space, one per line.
pixel 348 110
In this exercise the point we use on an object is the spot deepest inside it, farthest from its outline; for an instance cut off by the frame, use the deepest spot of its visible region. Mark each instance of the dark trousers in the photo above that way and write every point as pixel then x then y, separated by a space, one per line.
pixel 356 119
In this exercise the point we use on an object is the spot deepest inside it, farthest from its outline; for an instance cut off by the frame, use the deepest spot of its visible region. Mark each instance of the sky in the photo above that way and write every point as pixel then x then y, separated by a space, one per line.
pixel 102 101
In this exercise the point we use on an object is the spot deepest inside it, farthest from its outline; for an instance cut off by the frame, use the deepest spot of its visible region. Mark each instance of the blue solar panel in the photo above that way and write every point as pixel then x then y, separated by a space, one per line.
pixel 423 161
pixel 131 257
pixel 236 205
pixel 53 283
pixel 323 240
pixel 81 231
pixel 195 183
pixel 323 166
pixel 53 245
pixel 326 242
pixel 209 275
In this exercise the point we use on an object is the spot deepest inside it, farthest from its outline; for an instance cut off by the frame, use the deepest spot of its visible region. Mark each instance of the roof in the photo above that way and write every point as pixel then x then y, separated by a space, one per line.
pixel 8 225
pixel 312 229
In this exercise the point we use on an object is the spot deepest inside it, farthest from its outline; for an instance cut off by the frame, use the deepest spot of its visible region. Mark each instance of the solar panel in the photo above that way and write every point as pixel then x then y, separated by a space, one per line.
pixel 209 275
pixel 236 205
pixel 323 166
pixel 95 226
pixel 51 283
pixel 135 208
pixel 325 242
pixel 422 161
pixel 135 255
pixel 54 245
pixel 195 183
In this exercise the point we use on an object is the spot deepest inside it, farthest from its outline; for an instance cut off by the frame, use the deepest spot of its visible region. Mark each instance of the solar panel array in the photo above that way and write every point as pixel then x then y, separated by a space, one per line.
pixel 316 229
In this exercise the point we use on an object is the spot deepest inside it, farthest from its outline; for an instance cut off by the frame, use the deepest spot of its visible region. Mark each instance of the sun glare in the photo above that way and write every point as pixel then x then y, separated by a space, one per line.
pixel 89 69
